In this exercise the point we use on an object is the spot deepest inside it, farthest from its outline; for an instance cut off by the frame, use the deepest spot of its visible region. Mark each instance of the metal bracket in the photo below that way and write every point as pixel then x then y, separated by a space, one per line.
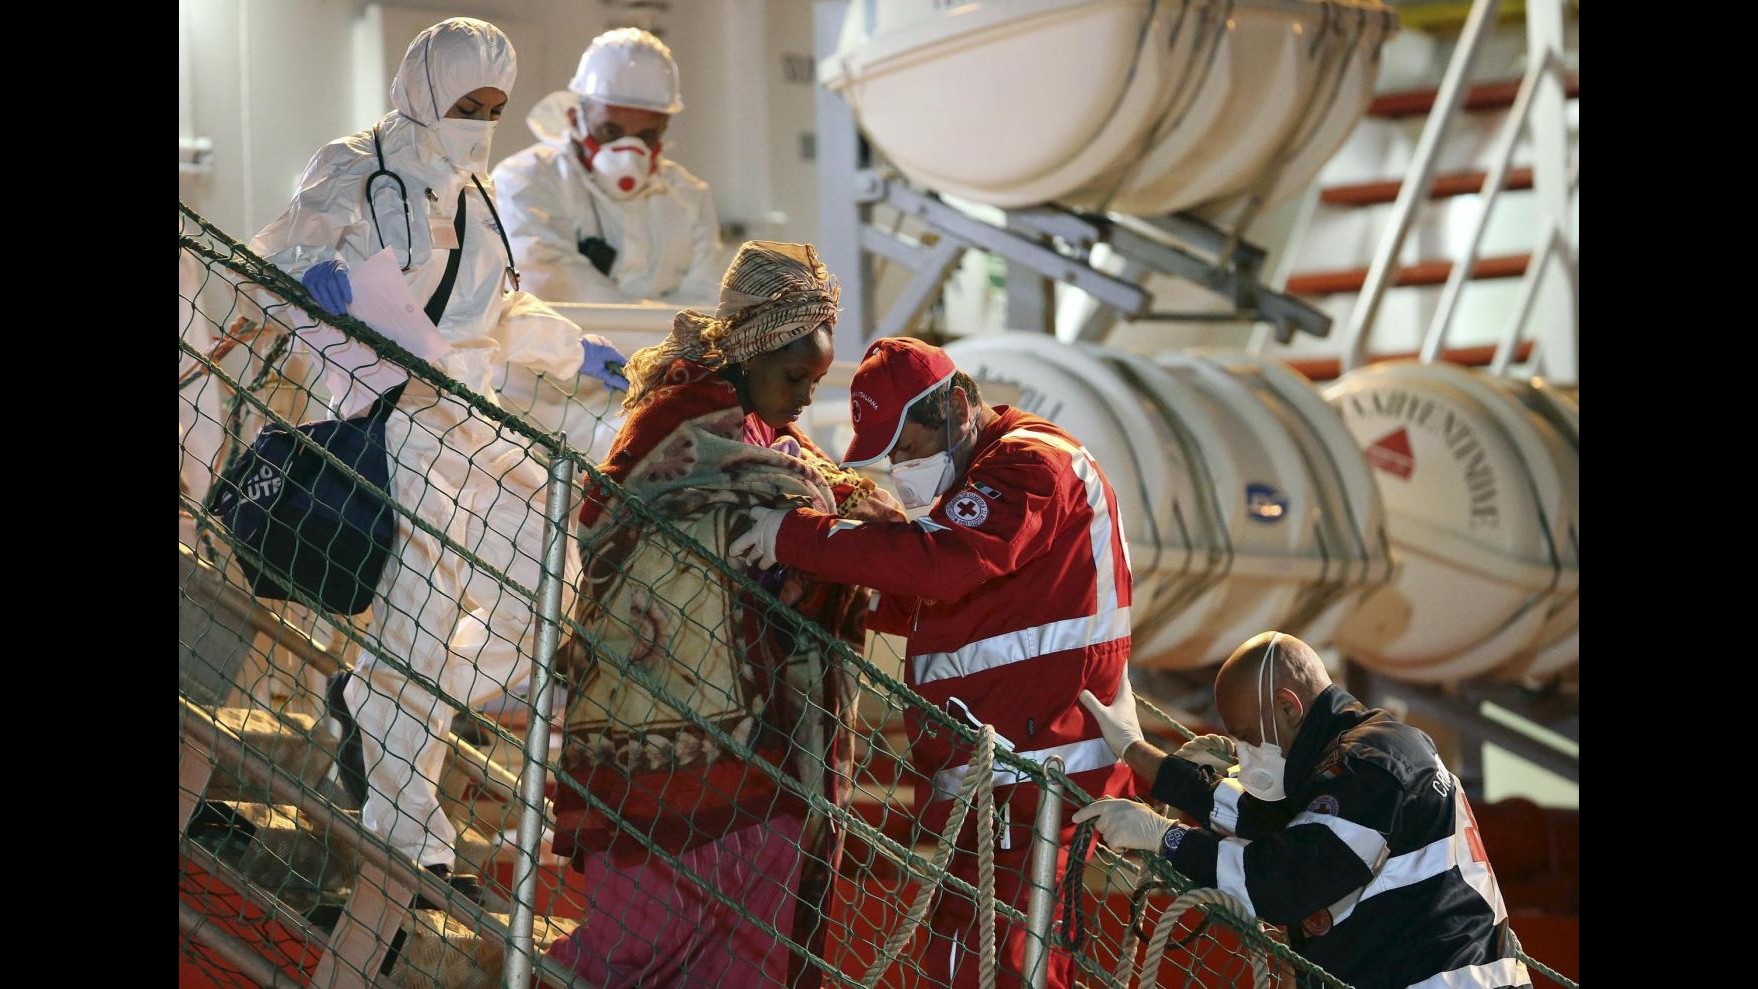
pixel 953 231
pixel 1046 244
pixel 1017 248
pixel 1236 275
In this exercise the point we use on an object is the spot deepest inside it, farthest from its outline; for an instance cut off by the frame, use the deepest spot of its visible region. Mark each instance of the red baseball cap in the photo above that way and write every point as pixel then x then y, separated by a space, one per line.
pixel 895 373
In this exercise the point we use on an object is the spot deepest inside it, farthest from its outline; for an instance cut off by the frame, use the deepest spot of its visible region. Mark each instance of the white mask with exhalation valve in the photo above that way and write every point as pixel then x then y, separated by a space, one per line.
pixel 924 479
pixel 623 167
pixel 465 143
pixel 1262 767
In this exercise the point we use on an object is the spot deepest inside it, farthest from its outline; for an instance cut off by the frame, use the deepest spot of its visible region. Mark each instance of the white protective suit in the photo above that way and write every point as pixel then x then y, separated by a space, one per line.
pixel 447 619
pixel 198 410
pixel 667 237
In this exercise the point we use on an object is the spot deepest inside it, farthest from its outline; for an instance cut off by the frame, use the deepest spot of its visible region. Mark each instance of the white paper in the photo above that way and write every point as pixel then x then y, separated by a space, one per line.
pixel 382 301
pixel 353 373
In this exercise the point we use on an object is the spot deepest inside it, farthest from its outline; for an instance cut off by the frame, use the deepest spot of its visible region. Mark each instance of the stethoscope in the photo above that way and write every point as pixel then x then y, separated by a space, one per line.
pixel 408 223
pixel 403 190
pixel 402 193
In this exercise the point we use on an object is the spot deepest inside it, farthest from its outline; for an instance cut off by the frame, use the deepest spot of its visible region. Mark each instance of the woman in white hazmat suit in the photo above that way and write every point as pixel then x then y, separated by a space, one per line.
pixel 596 175
pixel 447 619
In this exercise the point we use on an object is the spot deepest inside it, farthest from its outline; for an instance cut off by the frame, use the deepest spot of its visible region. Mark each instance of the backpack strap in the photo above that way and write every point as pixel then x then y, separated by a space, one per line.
pixel 436 304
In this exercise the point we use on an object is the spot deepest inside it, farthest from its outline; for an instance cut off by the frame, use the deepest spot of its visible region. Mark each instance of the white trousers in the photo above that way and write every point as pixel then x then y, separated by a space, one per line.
pixel 447 618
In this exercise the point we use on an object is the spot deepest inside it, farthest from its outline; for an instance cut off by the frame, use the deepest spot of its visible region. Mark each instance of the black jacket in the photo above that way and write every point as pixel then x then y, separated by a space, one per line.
pixel 1373 860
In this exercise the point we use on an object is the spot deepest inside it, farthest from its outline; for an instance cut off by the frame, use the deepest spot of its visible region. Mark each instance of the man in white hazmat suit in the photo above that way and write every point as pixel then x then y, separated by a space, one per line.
pixel 449 620
pixel 594 211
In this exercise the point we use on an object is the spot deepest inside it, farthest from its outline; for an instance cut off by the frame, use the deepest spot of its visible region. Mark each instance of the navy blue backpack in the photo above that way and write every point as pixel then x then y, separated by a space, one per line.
pixel 299 522
pixel 302 524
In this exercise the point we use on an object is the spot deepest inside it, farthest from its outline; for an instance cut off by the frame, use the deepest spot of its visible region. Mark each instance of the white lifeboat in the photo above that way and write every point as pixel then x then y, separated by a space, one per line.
pixel 1303 521
pixel 1238 487
pixel 1480 496
pixel 1557 647
pixel 1351 521
pixel 1076 390
pixel 1136 106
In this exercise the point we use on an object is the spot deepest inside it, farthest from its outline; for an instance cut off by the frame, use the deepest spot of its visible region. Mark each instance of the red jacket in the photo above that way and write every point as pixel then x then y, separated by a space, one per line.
pixel 1013 593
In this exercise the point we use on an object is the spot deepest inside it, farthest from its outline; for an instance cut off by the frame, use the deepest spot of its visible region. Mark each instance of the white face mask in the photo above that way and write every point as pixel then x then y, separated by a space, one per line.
pixel 465 143
pixel 1262 767
pixel 923 479
pixel 623 167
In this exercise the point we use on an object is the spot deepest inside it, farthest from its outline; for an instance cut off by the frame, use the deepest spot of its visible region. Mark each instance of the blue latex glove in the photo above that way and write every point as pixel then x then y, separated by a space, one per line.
pixel 327 281
pixel 604 362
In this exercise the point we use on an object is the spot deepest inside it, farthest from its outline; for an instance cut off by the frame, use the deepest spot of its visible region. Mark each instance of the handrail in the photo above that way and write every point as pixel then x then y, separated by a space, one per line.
pixel 1416 185
pixel 1501 158
pixel 1545 64
pixel 201 727
pixel 203 582
pixel 252 892
pixel 253 966
pixel 1511 343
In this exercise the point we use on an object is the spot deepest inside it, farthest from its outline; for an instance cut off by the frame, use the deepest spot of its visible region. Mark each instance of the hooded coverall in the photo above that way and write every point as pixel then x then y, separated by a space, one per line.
pixel 448 619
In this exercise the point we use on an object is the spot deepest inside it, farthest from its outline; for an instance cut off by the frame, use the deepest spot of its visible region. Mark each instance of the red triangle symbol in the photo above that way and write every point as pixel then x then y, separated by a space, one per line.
pixel 1391 453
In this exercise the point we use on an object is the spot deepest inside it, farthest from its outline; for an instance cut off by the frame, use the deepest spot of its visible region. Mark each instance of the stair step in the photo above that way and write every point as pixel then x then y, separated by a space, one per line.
pixel 438 950
pixel 281 850
pixel 1482 97
pixel 1421 273
pixel 1330 368
pixel 294 742
pixel 442 952
pixel 269 845
pixel 1445 186
pixel 306 747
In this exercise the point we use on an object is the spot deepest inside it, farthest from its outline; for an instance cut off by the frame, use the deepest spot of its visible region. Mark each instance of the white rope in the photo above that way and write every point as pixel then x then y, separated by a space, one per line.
pixel 1156 945
pixel 981 772
pixel 1148 973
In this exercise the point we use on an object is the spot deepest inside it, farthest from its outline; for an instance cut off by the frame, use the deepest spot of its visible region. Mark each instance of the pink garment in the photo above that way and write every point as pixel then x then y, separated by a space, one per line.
pixel 648 926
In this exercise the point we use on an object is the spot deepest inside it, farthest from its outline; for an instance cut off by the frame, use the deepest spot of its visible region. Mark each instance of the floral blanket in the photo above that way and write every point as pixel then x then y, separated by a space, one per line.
pixel 647 601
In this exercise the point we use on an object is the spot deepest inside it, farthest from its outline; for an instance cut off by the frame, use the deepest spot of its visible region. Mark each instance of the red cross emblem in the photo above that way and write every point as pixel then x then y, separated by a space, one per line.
pixel 968 509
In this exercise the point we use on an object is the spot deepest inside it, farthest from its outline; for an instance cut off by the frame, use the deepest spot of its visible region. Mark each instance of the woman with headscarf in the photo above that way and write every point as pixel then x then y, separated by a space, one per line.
pixel 711 429
pixel 412 184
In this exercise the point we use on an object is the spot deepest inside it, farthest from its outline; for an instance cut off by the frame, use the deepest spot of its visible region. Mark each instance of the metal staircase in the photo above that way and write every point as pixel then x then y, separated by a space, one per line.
pixel 279 878
pixel 1532 108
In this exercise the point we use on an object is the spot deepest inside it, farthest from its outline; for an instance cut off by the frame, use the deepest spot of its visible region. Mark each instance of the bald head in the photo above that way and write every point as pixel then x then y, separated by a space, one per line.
pixel 1293 676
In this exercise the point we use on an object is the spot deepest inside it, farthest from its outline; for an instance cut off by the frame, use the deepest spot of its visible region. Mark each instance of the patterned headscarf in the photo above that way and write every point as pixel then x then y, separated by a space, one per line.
pixel 772 294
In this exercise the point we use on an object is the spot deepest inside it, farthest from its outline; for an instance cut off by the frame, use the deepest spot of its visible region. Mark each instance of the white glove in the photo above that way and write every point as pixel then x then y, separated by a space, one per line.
pixel 1118 720
pixel 757 545
pixel 1210 750
pixel 1126 823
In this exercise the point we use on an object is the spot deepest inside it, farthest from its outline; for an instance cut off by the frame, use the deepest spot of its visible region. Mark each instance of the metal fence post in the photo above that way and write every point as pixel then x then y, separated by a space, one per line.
pixel 532 774
pixel 1042 902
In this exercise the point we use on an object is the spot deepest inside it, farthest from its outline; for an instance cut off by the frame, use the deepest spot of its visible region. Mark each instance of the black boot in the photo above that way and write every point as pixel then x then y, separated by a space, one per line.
pixel 466 885
pixel 350 757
